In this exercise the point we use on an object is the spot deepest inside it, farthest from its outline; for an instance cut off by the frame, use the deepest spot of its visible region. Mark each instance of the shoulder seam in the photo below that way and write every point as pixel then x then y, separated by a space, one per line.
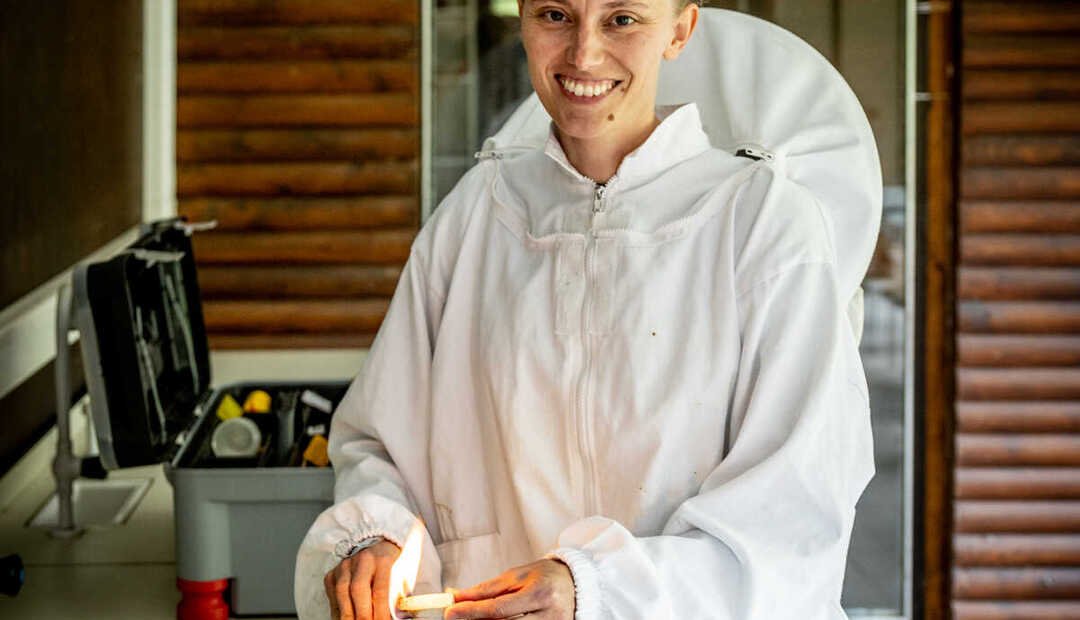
pixel 778 274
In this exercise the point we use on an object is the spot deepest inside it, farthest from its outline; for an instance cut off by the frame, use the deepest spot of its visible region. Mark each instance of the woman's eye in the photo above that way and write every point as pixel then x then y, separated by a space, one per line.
pixel 623 20
pixel 554 16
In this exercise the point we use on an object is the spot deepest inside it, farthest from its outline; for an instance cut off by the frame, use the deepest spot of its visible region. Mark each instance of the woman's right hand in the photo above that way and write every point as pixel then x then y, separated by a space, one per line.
pixel 359 587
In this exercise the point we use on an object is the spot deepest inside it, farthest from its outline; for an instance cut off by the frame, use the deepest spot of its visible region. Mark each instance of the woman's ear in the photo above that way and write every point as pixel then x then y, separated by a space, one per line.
pixel 684 27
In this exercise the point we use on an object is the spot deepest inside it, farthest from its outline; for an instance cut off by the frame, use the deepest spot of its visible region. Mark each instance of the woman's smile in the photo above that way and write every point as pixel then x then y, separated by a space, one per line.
pixel 580 90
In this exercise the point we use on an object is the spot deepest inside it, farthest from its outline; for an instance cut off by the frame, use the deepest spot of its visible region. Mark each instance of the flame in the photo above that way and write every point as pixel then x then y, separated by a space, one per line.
pixel 405 569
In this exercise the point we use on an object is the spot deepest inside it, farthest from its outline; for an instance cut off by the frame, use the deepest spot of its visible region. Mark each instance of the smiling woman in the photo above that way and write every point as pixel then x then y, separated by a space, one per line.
pixel 620 359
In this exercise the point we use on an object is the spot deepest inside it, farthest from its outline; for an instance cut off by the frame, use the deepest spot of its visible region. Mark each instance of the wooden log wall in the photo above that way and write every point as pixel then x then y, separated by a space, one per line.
pixel 1016 502
pixel 298 131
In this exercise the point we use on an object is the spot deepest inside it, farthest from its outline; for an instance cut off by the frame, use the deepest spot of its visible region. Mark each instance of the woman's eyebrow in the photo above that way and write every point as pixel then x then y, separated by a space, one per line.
pixel 625 4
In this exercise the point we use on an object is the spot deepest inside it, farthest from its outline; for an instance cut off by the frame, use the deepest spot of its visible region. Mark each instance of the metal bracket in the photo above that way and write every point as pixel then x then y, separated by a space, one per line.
pixel 66 466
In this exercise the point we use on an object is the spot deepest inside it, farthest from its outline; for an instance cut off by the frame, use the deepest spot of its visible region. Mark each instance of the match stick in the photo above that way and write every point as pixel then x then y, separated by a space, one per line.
pixel 426 605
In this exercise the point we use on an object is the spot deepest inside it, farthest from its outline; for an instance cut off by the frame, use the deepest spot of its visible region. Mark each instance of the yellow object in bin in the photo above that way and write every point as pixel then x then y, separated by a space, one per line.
pixel 257 401
pixel 316 452
pixel 229 409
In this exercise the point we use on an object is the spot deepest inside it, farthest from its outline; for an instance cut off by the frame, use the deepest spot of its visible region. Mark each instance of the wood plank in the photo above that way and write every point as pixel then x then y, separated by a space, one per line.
pixel 296 43
pixel 311 76
pixel 1011 350
pixel 296 179
pixel 1014 449
pixel 250 12
pixel 1018 610
pixel 208 145
pixel 375 110
pixel 309 315
pixel 1016 549
pixel 1018 416
pixel 1030 16
pixel 379 247
pixel 1019 216
pixel 349 340
pixel 1018 482
pixel 1013 283
pixel 1020 116
pixel 1020 183
pixel 1002 150
pixel 1016 250
pixel 232 214
pixel 1021 317
pixel 1000 51
pixel 1016 583
pixel 1021 84
pixel 936 349
pixel 997 516
pixel 285 281
pixel 1018 383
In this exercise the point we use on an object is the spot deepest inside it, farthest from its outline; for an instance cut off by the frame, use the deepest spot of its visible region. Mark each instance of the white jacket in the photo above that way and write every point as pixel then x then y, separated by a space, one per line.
pixel 656 383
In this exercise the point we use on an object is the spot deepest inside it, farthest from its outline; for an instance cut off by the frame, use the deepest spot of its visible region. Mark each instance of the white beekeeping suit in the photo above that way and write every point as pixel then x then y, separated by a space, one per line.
pixel 655 380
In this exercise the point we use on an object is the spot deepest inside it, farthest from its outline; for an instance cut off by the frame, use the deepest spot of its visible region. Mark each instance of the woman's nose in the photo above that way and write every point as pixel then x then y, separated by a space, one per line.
pixel 586 50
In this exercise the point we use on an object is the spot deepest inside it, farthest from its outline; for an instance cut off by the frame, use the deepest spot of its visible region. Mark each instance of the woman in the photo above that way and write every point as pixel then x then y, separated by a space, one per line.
pixel 619 367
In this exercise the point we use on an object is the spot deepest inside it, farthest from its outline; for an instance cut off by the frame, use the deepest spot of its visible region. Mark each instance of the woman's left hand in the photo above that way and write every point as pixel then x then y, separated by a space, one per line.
pixel 543 589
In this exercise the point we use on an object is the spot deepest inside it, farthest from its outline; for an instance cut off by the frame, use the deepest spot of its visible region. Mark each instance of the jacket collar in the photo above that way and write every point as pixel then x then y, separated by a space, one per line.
pixel 677 138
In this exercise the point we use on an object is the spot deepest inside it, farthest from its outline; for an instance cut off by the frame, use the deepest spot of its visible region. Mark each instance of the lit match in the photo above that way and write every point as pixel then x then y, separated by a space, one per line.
pixel 403 578
pixel 425 605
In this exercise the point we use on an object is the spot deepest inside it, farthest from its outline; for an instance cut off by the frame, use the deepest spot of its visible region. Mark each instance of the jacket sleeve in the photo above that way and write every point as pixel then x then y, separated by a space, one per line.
pixel 384 412
pixel 767 535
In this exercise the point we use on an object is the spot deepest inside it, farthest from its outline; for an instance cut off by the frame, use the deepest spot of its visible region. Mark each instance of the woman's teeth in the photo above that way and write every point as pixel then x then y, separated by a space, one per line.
pixel 587 89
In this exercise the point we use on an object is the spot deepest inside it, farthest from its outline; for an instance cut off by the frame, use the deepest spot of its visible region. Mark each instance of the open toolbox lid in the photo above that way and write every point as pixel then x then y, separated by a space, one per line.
pixel 143 345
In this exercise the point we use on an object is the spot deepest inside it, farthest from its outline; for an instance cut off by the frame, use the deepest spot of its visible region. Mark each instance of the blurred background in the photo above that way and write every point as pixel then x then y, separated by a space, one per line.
pixel 320 134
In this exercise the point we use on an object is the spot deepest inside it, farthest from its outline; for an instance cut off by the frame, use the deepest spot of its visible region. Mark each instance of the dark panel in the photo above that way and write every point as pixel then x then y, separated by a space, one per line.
pixel 29 410
pixel 71 127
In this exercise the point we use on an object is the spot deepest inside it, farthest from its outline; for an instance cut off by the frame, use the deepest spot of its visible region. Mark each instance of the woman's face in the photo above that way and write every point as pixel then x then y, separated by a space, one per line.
pixel 594 63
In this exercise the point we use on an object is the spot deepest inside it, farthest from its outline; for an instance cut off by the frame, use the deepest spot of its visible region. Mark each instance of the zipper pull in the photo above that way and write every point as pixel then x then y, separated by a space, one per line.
pixel 598 198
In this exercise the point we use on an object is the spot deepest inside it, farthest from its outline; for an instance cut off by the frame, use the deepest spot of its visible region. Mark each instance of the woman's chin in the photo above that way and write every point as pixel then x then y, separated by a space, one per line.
pixel 584 126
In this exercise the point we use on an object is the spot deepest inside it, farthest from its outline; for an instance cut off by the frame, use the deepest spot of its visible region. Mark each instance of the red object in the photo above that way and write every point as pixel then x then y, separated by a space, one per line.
pixel 202 600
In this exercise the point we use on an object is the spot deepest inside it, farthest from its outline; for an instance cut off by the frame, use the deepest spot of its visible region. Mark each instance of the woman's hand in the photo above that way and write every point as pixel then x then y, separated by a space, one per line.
pixel 359 587
pixel 543 589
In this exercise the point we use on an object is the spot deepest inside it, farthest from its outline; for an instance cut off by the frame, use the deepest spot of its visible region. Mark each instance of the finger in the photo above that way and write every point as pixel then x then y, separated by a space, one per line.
pixel 331 595
pixel 502 584
pixel 342 578
pixel 380 591
pixel 360 587
pixel 504 606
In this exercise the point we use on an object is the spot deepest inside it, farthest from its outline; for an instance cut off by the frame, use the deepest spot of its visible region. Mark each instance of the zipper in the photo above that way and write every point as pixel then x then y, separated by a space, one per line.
pixel 598 197
pixel 585 431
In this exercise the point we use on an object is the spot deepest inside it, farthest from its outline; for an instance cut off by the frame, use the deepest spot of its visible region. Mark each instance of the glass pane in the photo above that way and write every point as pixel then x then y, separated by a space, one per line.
pixel 480 76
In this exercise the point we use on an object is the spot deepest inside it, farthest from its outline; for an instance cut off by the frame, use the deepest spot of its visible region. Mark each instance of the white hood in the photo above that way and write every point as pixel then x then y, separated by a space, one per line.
pixel 760 87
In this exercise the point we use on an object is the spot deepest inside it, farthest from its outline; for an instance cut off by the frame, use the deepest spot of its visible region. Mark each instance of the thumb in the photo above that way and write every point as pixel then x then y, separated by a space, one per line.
pixel 481 591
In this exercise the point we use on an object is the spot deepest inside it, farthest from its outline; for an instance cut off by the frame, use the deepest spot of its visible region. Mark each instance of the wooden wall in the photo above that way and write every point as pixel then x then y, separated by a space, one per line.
pixel 1016 511
pixel 298 131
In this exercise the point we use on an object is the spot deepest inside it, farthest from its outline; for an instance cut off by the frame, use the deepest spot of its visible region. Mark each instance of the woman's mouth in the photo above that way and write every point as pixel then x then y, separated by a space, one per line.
pixel 586 90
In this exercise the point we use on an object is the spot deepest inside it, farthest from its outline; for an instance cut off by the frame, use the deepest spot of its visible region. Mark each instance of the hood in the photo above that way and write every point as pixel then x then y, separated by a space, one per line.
pixel 763 91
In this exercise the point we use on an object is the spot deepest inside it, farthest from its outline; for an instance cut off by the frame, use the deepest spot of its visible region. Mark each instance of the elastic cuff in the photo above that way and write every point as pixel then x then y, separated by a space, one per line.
pixel 364 531
pixel 346 548
pixel 587 593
